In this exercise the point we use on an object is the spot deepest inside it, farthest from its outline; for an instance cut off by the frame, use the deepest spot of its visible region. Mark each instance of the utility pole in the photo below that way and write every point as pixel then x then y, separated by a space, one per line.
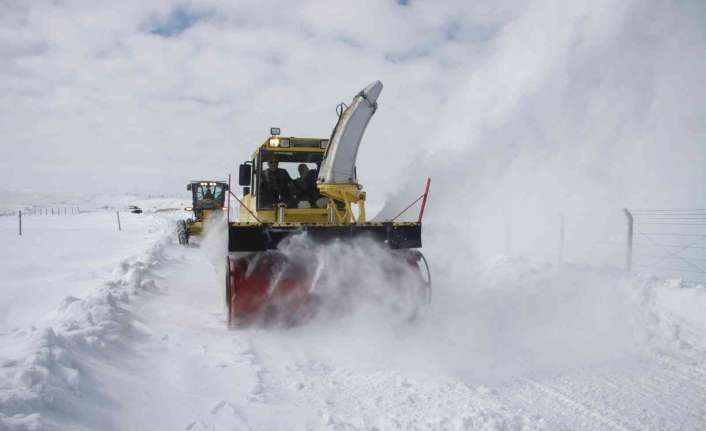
pixel 117 213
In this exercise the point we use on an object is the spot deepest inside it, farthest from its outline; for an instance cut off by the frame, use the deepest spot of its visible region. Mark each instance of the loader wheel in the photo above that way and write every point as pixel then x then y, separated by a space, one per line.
pixel 182 232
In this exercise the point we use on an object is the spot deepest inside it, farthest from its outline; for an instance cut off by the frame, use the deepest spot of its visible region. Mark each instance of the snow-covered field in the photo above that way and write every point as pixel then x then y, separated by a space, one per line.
pixel 108 330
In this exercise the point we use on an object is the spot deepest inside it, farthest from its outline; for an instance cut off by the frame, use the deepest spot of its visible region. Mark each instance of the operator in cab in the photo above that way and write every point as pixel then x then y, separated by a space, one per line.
pixel 208 193
pixel 306 185
pixel 276 184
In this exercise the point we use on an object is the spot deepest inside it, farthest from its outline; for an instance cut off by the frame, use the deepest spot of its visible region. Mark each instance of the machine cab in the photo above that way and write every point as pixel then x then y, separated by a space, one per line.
pixel 281 177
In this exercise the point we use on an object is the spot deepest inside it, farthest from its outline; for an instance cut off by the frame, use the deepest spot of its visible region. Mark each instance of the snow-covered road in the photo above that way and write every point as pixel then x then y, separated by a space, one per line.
pixel 520 346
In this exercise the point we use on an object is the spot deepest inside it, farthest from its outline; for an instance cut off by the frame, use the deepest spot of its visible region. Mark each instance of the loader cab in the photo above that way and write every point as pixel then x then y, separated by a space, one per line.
pixel 207 195
pixel 283 172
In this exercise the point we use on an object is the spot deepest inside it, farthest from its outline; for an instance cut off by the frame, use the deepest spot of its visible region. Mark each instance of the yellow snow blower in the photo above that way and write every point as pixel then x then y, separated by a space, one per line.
pixel 303 186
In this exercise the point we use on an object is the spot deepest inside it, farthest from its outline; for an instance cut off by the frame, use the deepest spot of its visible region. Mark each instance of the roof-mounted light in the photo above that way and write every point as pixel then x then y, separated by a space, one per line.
pixel 279 142
pixel 275 131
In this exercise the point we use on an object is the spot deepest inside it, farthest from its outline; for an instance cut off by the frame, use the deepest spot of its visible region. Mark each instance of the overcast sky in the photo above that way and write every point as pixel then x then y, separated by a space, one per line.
pixel 522 107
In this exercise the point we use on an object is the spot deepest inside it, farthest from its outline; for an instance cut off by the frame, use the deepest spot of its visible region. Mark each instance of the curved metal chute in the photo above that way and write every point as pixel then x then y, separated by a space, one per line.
pixel 338 165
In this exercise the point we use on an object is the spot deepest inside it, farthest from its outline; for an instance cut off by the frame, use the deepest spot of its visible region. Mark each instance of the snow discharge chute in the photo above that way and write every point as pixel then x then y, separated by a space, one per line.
pixel 339 163
pixel 298 195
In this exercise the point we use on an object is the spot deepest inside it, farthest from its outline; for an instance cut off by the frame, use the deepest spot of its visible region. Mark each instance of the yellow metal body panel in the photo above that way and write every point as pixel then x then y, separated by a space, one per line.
pixel 349 193
pixel 293 215
pixel 197 226
pixel 315 148
pixel 244 215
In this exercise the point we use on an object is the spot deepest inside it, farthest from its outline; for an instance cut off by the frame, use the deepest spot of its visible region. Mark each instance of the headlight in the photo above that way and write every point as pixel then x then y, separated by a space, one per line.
pixel 324 144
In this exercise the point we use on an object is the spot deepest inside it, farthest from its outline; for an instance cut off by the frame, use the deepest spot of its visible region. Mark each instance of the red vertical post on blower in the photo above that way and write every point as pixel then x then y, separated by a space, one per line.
pixel 228 211
pixel 424 201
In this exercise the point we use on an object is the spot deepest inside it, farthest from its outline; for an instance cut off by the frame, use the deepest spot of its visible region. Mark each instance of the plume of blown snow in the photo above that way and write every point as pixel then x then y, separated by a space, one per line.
pixel 359 276
pixel 214 242
pixel 602 112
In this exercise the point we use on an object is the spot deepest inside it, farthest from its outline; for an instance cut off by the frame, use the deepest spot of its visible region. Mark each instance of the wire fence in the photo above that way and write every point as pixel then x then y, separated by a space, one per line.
pixel 670 242
pixel 664 242
pixel 63 211
pixel 43 211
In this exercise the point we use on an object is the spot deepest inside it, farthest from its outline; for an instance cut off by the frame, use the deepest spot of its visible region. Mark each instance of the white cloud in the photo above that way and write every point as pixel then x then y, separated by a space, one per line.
pixel 93 91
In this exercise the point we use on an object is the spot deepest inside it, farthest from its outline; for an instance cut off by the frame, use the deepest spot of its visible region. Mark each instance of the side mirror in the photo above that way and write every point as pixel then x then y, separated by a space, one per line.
pixel 244 174
pixel 188 187
pixel 246 191
pixel 226 187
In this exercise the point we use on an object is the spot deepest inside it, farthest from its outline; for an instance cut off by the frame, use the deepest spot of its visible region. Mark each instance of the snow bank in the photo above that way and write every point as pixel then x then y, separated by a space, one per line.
pixel 674 312
pixel 45 370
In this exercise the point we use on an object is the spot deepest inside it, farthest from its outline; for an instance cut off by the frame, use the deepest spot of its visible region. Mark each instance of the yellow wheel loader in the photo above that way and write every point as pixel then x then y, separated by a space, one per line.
pixel 208 199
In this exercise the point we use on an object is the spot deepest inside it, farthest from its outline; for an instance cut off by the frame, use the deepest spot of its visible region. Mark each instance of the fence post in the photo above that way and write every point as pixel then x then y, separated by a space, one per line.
pixel 561 238
pixel 117 213
pixel 628 251
pixel 20 219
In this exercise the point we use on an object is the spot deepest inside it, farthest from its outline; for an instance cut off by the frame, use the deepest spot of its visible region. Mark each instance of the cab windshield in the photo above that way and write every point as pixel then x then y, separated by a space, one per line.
pixel 288 178
pixel 212 191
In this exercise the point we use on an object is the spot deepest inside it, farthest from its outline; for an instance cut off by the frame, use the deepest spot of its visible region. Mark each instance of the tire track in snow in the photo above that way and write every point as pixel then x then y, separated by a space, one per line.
pixel 645 393
pixel 630 391
pixel 582 409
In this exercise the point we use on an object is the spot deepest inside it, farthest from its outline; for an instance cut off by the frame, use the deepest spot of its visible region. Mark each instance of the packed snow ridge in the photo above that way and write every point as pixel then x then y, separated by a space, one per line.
pixel 46 372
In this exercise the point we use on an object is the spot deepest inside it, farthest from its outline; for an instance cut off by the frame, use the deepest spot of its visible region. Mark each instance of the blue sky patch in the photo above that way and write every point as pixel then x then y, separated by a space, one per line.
pixel 176 21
